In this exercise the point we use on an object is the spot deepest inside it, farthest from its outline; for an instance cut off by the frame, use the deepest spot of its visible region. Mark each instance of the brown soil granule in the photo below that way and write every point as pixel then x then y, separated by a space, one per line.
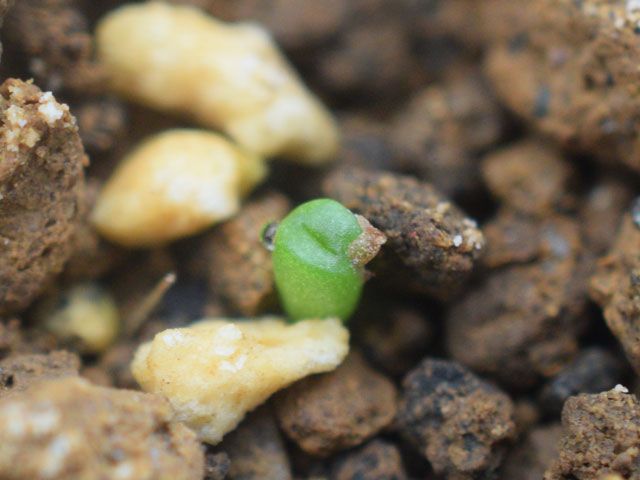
pixel 330 412
pixel 69 428
pixel 568 68
pixel 256 450
pixel 531 457
pixel 11 337
pixel 54 36
pixel 239 266
pixel 295 24
pixel 529 177
pixel 216 466
pixel 116 364
pixel 524 320
pixel 91 256
pixel 440 134
pixel 601 213
pixel 432 247
pixel 601 435
pixel 41 180
pixel 19 372
pixel 102 122
pixel 365 143
pixel 5 5
pixel 615 286
pixel 367 46
pixel 512 238
pixel 594 370
pixel 394 337
pixel 377 460
pixel 460 423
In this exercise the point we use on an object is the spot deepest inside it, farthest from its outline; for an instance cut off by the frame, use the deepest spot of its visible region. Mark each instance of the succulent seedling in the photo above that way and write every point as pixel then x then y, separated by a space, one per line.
pixel 319 253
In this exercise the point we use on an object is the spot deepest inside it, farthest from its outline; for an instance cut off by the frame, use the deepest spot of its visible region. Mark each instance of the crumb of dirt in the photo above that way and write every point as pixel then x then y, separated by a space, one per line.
pixel 459 422
pixel 68 427
pixel 570 75
pixel 256 450
pixel 239 269
pixel 529 177
pixel 41 182
pixel 600 436
pixel 523 322
pixel 594 370
pixel 295 24
pixel 19 372
pixel 102 123
pixel 92 256
pixel 327 413
pixel 377 460
pixel 432 246
pixel 216 466
pixel 533 455
pixel 601 213
pixel 393 337
pixel 54 35
pixel 440 134
pixel 615 286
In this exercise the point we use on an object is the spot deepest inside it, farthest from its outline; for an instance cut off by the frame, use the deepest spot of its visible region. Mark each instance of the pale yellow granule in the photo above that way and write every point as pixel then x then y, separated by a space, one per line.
pixel 175 184
pixel 215 371
pixel 225 76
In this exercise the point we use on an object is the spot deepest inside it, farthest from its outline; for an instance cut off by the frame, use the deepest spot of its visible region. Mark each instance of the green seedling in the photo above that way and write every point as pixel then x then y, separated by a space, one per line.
pixel 319 253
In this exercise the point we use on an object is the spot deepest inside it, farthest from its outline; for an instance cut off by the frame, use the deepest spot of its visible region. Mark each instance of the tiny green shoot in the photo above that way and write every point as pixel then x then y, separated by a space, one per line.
pixel 319 253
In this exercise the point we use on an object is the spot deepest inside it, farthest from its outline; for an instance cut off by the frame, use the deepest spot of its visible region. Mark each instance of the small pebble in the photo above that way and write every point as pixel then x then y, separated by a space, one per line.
pixel 215 371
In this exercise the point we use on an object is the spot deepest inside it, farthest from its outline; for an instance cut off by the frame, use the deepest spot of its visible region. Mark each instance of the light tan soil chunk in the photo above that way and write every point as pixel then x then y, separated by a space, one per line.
pixel 41 181
pixel 335 411
pixel 69 428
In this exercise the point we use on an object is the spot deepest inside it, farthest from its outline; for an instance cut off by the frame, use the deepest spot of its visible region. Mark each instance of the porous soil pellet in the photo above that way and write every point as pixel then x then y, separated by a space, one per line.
pixel 256 449
pixel 41 182
pixel 442 131
pixel 535 452
pixel 335 411
pixel 529 177
pixel 571 74
pixel 614 286
pixel 523 322
pixel 239 264
pixel 600 435
pixel 459 422
pixel 216 466
pixel 432 246
pixel 55 33
pixel 594 370
pixel 376 460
